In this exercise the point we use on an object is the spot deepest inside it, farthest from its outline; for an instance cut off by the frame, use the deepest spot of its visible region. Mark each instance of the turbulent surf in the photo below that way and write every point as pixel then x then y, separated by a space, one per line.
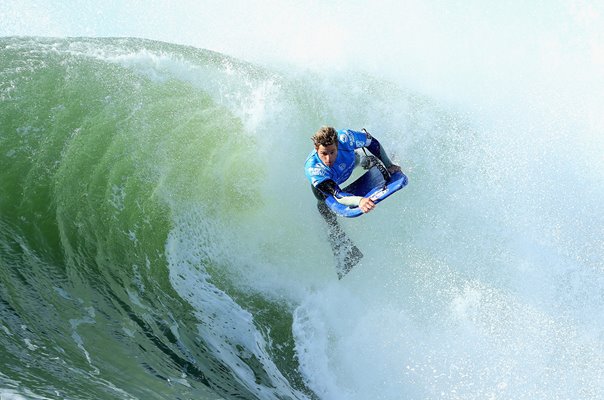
pixel 158 238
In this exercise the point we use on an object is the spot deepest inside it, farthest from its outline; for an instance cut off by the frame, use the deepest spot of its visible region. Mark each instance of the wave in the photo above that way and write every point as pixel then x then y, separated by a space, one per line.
pixel 158 239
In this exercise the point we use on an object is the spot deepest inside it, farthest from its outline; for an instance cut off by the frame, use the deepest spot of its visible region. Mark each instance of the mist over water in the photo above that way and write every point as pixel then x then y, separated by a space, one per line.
pixel 154 198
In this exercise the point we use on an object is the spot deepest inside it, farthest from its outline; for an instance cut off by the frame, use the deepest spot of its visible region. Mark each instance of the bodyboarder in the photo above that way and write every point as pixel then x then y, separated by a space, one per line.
pixel 331 163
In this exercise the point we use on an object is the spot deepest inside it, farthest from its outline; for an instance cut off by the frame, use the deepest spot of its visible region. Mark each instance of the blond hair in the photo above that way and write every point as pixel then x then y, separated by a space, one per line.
pixel 325 136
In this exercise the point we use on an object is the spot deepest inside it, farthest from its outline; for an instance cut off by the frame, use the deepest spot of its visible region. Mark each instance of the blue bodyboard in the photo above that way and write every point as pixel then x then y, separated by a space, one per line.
pixel 370 184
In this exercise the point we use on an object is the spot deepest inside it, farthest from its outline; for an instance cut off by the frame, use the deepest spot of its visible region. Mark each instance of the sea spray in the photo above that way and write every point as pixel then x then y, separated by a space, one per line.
pixel 481 279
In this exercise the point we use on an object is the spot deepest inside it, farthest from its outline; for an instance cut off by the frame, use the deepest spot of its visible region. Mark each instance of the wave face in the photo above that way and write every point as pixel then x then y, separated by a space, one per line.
pixel 158 238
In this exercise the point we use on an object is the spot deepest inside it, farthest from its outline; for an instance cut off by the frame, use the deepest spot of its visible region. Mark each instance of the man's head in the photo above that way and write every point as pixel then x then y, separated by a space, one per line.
pixel 326 144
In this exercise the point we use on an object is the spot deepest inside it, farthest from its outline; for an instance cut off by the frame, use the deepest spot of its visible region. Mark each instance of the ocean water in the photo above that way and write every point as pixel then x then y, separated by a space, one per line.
pixel 158 238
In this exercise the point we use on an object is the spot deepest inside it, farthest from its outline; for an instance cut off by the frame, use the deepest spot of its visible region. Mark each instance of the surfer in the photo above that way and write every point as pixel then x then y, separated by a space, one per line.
pixel 328 166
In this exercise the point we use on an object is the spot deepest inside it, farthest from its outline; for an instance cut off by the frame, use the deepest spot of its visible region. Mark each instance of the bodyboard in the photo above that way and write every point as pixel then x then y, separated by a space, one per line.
pixel 370 184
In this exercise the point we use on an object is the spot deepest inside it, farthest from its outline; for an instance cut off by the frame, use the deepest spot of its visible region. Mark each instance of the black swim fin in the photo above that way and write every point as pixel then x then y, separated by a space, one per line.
pixel 348 259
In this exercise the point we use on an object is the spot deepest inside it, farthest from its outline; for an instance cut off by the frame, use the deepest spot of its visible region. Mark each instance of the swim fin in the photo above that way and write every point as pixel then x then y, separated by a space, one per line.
pixel 348 258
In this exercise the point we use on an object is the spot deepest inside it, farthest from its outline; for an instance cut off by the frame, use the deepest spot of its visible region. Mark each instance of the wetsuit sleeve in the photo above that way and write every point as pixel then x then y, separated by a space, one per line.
pixel 377 150
pixel 364 139
pixel 329 187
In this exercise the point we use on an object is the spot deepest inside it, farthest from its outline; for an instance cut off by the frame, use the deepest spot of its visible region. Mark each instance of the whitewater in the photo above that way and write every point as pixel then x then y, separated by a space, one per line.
pixel 158 238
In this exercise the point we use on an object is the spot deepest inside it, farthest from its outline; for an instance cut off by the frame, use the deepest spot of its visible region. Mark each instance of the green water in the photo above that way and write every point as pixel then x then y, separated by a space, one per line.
pixel 158 238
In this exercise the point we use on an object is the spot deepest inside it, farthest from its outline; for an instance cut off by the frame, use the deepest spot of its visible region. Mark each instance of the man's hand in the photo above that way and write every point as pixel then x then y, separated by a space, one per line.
pixel 366 204
pixel 394 168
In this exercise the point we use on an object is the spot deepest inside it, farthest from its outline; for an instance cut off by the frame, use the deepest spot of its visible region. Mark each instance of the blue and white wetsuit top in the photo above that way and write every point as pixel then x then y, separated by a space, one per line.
pixel 348 140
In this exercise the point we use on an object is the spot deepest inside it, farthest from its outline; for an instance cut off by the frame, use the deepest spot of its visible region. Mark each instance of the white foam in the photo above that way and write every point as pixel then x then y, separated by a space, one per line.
pixel 226 329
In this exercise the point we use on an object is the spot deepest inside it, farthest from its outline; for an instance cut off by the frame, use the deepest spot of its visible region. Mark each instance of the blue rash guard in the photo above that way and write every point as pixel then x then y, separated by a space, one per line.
pixel 348 141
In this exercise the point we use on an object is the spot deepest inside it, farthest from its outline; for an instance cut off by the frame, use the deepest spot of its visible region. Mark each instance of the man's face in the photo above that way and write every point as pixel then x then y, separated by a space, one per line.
pixel 328 154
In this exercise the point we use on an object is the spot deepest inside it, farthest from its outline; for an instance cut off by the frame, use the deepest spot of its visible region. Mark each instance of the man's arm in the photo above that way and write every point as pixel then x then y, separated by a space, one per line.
pixel 329 187
pixel 377 150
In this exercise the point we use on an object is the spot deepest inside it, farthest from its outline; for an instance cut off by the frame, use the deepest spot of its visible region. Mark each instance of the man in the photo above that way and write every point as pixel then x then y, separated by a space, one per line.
pixel 330 165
